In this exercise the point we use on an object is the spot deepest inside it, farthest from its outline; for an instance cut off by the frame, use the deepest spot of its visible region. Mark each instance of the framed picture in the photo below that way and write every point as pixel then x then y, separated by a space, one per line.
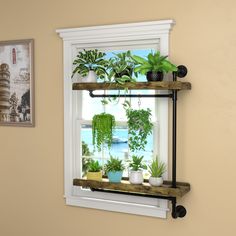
pixel 16 83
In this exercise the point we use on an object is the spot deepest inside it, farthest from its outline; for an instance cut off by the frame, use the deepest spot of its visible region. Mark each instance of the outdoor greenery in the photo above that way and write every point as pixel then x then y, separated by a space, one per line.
pixel 154 62
pixel 102 130
pixel 157 168
pixel 137 163
pixel 114 164
pixel 86 153
pixel 94 166
pixel 140 126
pixel 87 60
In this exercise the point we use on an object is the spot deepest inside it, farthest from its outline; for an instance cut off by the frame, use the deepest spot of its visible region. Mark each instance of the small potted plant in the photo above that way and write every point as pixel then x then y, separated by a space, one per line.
pixel 90 64
pixel 94 171
pixel 121 68
pixel 136 170
pixel 156 169
pixel 154 66
pixel 114 169
pixel 103 126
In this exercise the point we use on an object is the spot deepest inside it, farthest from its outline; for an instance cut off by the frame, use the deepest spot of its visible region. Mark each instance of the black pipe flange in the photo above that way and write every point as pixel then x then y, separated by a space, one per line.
pixel 182 71
pixel 179 211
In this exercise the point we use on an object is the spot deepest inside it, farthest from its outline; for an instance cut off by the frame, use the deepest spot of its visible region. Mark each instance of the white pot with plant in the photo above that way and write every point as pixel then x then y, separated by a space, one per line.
pixel 90 65
pixel 136 170
pixel 156 169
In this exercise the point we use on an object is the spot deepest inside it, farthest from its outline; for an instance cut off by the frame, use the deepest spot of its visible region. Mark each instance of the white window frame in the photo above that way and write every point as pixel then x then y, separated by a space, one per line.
pixel 121 35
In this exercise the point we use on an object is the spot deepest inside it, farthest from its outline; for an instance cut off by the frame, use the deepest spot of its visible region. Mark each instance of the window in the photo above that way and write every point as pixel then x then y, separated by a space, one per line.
pixel 79 109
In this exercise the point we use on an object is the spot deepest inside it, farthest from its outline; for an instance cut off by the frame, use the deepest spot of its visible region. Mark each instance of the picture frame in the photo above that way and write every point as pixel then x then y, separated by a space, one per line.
pixel 17 83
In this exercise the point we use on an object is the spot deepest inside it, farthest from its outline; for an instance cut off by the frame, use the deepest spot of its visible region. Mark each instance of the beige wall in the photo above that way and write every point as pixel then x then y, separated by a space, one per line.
pixel 31 159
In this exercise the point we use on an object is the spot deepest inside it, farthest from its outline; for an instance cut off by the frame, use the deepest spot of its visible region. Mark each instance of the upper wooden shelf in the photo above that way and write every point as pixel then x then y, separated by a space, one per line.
pixel 162 85
pixel 165 190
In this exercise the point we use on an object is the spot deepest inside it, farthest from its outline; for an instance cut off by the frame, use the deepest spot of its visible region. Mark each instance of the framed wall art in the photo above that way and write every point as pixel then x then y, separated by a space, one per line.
pixel 17 83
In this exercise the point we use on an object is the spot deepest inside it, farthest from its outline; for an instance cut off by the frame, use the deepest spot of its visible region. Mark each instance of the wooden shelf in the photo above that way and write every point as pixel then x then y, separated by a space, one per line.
pixel 165 190
pixel 162 85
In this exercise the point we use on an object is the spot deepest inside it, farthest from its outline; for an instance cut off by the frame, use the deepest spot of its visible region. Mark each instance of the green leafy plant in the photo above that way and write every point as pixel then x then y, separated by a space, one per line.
pixel 140 126
pixel 157 168
pixel 154 62
pixel 114 164
pixel 121 68
pixel 87 60
pixel 102 129
pixel 86 159
pixel 94 166
pixel 137 163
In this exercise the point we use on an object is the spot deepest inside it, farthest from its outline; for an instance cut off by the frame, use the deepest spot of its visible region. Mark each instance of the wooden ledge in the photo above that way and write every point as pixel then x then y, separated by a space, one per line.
pixel 165 190
pixel 162 85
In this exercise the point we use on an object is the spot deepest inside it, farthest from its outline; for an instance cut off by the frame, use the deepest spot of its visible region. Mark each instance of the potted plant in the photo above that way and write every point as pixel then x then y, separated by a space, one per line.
pixel 121 68
pixel 154 66
pixel 136 170
pixel 114 169
pixel 102 130
pixel 140 126
pixel 156 169
pixel 90 64
pixel 94 171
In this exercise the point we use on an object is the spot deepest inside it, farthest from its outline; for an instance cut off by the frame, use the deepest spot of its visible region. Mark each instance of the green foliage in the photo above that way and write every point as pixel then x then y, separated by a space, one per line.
pixel 90 60
pixel 154 62
pixel 94 166
pixel 140 126
pixel 102 129
pixel 114 164
pixel 157 168
pixel 121 68
pixel 137 163
pixel 86 159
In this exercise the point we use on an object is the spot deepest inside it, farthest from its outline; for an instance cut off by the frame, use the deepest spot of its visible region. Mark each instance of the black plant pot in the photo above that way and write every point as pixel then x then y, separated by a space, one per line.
pixel 155 76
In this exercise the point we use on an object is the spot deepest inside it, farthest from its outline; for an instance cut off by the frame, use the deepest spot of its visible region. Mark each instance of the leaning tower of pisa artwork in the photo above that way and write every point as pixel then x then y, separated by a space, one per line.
pixel 4 93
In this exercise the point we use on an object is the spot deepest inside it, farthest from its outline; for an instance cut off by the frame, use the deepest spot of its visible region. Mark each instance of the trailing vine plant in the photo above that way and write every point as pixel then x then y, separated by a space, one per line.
pixel 140 126
pixel 102 130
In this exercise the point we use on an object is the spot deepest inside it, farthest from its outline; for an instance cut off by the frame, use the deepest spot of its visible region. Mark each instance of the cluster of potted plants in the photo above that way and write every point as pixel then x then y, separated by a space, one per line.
pixel 123 67
pixel 114 170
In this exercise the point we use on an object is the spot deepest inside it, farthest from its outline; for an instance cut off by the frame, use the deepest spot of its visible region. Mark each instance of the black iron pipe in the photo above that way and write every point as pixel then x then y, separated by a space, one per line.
pixel 174 122
pixel 91 94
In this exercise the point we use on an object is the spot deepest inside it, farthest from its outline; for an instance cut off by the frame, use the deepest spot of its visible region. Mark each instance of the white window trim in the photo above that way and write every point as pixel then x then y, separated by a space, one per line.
pixel 144 33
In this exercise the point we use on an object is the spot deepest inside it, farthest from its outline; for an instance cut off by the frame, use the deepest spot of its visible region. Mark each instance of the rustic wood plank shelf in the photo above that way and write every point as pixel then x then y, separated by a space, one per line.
pixel 144 189
pixel 162 85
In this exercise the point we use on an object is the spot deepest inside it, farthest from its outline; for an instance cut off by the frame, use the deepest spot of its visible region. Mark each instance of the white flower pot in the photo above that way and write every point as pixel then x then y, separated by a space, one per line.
pixel 156 181
pixel 136 177
pixel 90 78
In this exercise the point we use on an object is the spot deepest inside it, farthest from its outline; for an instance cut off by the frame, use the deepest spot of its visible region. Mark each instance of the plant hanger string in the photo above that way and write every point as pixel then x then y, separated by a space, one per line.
pixel 139 101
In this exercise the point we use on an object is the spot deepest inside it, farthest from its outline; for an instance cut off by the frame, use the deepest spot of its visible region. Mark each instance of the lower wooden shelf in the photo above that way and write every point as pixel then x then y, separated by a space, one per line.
pixel 143 189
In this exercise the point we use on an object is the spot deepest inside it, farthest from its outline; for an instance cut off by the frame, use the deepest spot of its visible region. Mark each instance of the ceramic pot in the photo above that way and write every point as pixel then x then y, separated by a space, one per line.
pixel 156 181
pixel 155 76
pixel 115 176
pixel 94 176
pixel 136 177
pixel 90 78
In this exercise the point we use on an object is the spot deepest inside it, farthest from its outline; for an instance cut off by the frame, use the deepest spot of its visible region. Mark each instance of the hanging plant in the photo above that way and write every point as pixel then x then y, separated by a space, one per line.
pixel 140 126
pixel 102 130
